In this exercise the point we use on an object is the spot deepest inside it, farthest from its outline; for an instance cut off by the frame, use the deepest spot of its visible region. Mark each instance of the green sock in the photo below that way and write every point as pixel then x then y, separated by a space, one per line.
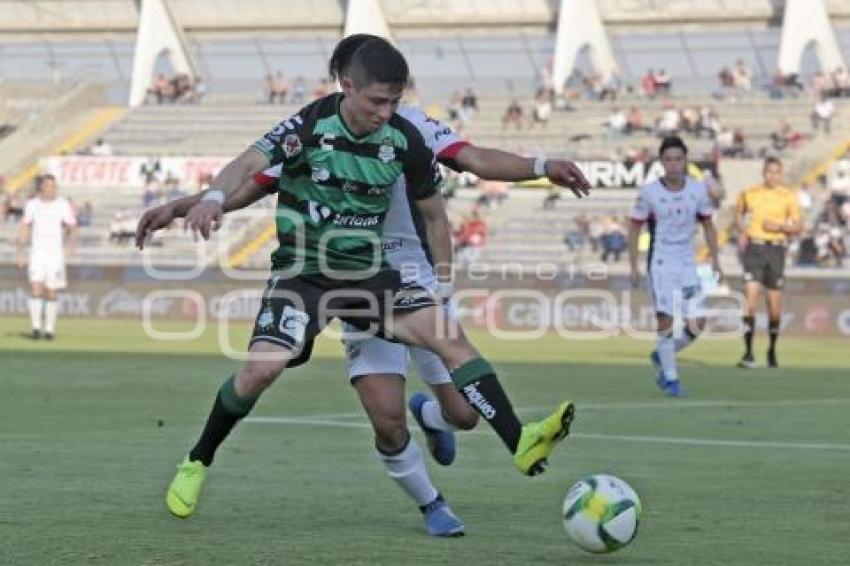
pixel 476 380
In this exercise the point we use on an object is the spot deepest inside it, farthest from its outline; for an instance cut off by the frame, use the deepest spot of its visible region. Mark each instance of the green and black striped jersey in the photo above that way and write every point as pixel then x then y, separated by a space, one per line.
pixel 334 189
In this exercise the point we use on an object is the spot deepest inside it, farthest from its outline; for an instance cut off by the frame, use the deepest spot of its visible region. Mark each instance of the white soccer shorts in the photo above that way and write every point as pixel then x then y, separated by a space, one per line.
pixel 376 355
pixel 676 291
pixel 48 269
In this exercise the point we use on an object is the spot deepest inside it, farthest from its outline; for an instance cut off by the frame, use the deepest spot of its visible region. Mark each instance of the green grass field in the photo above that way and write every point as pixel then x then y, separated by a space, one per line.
pixel 751 468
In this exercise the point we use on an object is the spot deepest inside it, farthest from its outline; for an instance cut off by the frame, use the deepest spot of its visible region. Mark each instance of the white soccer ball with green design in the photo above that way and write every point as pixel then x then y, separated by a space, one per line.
pixel 601 513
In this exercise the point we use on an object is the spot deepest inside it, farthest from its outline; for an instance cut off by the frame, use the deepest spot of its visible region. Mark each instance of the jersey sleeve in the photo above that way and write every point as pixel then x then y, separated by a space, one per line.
pixel 269 178
pixel 705 210
pixel 439 137
pixel 29 212
pixel 420 168
pixel 284 142
pixel 642 208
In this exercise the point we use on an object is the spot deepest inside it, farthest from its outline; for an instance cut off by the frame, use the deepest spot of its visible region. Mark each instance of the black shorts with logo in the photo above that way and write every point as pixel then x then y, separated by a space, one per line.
pixel 765 264
pixel 295 310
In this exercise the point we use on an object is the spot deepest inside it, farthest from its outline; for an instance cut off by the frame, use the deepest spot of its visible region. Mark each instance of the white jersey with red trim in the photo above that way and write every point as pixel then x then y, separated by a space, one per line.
pixel 47 219
pixel 672 216
pixel 404 238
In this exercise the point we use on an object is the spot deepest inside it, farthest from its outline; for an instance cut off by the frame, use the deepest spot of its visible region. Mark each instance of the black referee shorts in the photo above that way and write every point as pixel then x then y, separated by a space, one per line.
pixel 765 263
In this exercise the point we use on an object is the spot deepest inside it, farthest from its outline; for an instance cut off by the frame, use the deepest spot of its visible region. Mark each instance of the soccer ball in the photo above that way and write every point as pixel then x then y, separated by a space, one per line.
pixel 601 513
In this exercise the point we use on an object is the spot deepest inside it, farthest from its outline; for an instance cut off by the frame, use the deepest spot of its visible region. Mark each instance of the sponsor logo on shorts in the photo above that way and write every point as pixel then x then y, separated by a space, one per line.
pixel 477 400
pixel 390 246
pixel 293 323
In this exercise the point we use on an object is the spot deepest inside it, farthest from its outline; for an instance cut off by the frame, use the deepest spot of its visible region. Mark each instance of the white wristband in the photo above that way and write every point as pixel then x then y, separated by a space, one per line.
pixel 540 166
pixel 215 195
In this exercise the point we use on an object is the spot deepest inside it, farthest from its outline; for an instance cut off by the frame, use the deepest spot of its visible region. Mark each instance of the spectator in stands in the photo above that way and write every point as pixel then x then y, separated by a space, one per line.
pixel 277 87
pixel 454 108
pixel 663 82
pixel 739 145
pixel 725 140
pixel 708 122
pixel 542 110
pixel 742 77
pixel 834 226
pixel 595 229
pixel 820 85
pixel 689 119
pixel 839 183
pixel 12 207
pixel 648 85
pixel 617 124
pixel 785 137
pixel 493 193
pixel 199 90
pixel 101 148
pixel 160 88
pixel 512 115
pixel 840 82
pixel 822 114
pixel 805 199
pixel 122 228
pixel 613 239
pixel 85 214
pixel 727 84
pixel 668 122
pixel 470 237
pixel 299 91
pixel 635 121
pixel 468 105
pixel 553 195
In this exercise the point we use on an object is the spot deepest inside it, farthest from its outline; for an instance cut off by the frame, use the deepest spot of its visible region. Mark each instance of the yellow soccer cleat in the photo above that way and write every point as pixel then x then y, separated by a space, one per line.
pixel 538 439
pixel 182 496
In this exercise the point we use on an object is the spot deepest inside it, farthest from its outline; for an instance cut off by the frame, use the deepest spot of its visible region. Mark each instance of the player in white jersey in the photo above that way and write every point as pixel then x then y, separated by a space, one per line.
pixel 46 219
pixel 377 367
pixel 672 206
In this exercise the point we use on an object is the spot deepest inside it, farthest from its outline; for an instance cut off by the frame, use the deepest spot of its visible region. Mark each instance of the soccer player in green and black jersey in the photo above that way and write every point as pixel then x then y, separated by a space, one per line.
pixel 340 156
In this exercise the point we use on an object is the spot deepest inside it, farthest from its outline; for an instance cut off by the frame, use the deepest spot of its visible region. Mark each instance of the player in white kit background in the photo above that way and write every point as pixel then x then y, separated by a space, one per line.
pixel 47 218
pixel 672 206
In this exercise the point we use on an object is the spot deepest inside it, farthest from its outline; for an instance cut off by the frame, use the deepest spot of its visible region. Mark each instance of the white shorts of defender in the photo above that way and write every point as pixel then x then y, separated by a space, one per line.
pixel 48 269
pixel 376 355
pixel 677 292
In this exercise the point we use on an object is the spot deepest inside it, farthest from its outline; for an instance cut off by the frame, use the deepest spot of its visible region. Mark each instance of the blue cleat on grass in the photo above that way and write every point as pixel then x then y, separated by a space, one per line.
pixel 439 519
pixel 670 387
pixel 441 443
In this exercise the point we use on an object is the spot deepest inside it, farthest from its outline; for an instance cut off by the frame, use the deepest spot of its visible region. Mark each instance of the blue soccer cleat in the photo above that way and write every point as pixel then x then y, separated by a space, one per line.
pixel 670 387
pixel 439 519
pixel 441 443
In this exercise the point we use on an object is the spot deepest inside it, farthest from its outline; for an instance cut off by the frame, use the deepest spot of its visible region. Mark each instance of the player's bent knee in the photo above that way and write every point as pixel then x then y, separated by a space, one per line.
pixel 390 433
pixel 257 376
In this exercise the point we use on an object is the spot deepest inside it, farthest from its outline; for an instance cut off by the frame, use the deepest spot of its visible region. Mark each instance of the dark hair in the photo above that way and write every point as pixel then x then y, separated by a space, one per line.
pixel 344 51
pixel 41 179
pixel 672 141
pixel 377 61
pixel 770 160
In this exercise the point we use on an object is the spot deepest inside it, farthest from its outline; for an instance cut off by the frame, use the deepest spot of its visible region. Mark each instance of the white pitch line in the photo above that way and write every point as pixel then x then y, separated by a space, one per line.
pixel 666 404
pixel 617 438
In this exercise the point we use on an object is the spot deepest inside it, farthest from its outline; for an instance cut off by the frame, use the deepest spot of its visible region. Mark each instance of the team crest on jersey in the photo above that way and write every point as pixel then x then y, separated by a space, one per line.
pixel 266 319
pixel 386 152
pixel 320 175
pixel 291 146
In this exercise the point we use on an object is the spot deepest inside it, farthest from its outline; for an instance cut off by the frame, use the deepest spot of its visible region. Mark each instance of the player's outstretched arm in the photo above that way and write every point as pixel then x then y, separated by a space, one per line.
pixel 203 211
pixel 495 164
